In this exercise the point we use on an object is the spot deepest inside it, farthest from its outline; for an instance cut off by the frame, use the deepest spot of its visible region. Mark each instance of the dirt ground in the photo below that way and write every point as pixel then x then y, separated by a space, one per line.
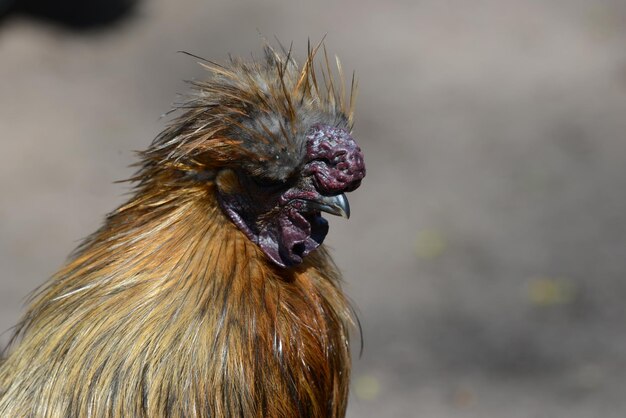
pixel 486 249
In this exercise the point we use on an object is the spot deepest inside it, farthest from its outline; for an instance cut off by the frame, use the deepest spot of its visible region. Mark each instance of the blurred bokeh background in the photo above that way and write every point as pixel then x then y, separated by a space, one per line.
pixel 486 252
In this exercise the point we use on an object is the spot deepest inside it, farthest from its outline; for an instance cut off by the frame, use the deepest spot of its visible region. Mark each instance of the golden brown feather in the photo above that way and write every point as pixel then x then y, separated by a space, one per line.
pixel 170 309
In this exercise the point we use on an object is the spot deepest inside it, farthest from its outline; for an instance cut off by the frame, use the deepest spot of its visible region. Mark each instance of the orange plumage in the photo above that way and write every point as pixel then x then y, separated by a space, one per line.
pixel 206 295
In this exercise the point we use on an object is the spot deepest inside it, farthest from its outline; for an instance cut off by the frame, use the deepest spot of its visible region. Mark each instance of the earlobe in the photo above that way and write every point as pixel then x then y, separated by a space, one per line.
pixel 227 181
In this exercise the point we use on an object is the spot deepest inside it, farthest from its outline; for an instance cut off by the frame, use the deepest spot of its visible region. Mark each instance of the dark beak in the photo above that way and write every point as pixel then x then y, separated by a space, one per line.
pixel 335 205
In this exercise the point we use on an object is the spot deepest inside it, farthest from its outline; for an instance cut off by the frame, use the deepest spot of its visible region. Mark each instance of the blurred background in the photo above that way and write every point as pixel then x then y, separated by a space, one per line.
pixel 486 252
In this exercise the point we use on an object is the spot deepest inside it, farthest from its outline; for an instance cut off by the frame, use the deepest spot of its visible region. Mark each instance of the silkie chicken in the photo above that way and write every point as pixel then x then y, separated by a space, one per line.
pixel 208 294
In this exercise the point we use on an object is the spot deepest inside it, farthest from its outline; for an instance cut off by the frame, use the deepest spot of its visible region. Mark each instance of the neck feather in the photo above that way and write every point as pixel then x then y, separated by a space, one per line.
pixel 171 301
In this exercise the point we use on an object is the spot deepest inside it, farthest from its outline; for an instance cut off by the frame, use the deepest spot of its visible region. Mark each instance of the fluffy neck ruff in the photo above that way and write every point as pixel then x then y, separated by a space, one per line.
pixel 169 310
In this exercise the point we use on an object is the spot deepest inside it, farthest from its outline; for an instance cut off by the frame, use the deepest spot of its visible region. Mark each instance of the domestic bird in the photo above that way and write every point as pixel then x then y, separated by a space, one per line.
pixel 209 293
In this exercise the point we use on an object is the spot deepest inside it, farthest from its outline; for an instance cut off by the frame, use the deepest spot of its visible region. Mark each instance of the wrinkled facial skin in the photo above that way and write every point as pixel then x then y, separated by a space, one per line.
pixel 284 218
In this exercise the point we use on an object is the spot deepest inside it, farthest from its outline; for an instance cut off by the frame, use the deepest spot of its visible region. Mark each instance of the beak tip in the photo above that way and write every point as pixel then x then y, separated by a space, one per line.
pixel 335 205
pixel 343 205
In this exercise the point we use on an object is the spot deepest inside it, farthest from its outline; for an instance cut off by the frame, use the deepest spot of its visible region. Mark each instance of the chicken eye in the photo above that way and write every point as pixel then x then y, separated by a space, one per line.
pixel 267 183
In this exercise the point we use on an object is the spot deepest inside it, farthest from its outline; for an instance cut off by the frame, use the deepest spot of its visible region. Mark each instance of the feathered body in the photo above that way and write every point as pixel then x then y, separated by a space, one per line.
pixel 174 308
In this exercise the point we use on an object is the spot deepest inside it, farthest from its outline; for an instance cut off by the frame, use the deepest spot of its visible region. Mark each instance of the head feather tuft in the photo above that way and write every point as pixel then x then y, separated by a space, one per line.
pixel 252 110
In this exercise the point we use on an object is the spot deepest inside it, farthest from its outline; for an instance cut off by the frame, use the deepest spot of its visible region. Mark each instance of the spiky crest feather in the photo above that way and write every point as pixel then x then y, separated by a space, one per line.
pixel 251 112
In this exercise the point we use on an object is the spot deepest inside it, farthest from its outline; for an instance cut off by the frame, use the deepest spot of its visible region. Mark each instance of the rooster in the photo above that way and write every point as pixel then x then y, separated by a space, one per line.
pixel 209 294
